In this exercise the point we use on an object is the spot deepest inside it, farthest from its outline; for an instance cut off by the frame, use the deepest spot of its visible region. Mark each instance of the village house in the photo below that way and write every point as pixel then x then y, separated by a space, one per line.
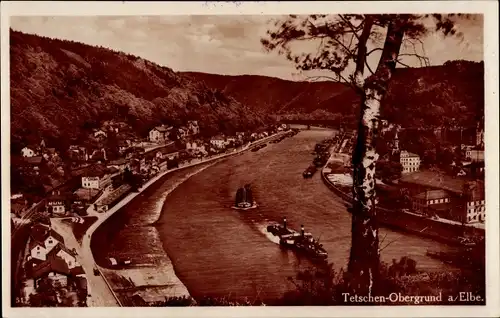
pixel 474 155
pixel 113 198
pixel 191 145
pixel 56 205
pixel 99 133
pixel 429 198
pixel 218 142
pixel 17 207
pixel 123 145
pixel 119 164
pixel 28 152
pixel 464 147
pixel 409 161
pixel 182 132
pixel 193 128
pixel 42 240
pixel 195 147
pixel 240 135
pixel 113 126
pixel 78 153
pixel 49 151
pixel 474 168
pixel 99 155
pixel 479 136
pixel 133 152
pixel 59 269
pixel 160 133
pixel 161 154
pixel 31 165
pixel 475 204
pixel 95 180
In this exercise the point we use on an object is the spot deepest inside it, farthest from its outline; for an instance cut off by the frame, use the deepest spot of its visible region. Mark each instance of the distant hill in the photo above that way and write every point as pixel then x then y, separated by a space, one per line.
pixel 61 89
pixel 274 95
pixel 428 96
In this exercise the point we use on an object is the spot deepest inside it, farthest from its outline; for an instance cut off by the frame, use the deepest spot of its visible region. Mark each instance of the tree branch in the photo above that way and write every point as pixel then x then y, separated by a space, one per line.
pixel 369 68
pixel 399 62
pixel 354 32
pixel 423 60
pixel 375 49
pixel 334 38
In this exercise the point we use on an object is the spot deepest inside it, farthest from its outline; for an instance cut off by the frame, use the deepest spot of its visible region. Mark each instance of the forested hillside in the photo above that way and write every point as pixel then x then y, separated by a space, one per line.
pixel 62 89
pixel 449 94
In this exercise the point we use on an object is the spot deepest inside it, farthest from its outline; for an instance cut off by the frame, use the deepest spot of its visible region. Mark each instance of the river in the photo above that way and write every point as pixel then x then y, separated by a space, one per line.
pixel 218 251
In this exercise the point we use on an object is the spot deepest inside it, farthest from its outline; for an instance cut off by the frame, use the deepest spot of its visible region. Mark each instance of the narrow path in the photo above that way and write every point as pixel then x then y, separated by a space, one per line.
pixel 100 294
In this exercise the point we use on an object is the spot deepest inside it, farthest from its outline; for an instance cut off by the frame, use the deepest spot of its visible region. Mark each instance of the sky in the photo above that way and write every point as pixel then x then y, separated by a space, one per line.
pixel 222 44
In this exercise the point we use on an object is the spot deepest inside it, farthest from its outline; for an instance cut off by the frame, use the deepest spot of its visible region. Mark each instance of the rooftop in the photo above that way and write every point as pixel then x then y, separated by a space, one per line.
pixel 442 206
pixel 52 264
pixel 33 160
pixel 433 179
pixel 85 194
pixel 111 198
pixel 59 197
pixel 163 128
pixel 40 232
pixel 432 195
pixel 405 153
pixel 61 247
pixel 120 161
pixel 78 270
pixel 476 193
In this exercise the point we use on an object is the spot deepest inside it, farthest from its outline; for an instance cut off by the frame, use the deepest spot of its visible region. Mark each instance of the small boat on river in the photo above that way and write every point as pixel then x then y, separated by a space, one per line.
pixel 299 241
pixel 244 199
pixel 309 172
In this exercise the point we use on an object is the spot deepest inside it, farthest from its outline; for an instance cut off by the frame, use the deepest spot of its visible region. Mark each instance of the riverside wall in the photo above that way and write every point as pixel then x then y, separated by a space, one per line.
pixel 112 217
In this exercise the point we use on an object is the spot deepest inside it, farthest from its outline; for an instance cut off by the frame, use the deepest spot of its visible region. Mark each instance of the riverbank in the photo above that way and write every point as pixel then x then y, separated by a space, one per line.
pixel 442 230
pixel 212 246
pixel 138 278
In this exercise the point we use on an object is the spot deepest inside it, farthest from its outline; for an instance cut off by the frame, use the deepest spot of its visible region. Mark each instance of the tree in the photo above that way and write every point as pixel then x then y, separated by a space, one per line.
pixel 388 170
pixel 343 41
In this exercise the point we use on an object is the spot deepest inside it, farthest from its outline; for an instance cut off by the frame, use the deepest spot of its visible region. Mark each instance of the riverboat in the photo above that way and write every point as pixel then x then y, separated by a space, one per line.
pixel 244 199
pixel 309 172
pixel 320 160
pixel 301 242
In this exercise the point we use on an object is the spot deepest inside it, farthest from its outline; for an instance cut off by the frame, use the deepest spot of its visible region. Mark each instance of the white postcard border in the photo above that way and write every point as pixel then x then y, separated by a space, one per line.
pixel 69 8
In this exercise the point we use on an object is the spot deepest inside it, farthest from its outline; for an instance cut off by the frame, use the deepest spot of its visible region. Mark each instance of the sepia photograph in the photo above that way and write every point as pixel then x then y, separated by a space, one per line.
pixel 238 157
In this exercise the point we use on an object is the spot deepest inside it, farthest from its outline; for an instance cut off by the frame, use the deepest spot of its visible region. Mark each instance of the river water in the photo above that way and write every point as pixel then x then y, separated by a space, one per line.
pixel 218 251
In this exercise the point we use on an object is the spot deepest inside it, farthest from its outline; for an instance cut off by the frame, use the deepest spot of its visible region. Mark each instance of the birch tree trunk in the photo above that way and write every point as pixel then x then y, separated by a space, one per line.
pixel 364 257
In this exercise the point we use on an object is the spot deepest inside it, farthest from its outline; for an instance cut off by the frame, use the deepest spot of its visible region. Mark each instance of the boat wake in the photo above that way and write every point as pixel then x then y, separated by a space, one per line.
pixel 245 208
pixel 262 227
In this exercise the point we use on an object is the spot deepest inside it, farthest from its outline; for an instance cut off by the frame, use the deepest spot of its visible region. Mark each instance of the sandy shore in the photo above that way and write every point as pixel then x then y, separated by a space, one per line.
pixel 157 281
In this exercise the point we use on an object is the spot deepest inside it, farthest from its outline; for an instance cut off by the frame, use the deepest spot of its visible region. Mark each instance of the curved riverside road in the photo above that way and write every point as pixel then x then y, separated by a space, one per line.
pixel 102 293
pixel 218 251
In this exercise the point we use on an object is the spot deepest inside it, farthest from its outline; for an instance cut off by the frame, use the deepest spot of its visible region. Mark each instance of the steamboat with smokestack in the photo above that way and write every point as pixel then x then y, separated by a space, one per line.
pixel 302 241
